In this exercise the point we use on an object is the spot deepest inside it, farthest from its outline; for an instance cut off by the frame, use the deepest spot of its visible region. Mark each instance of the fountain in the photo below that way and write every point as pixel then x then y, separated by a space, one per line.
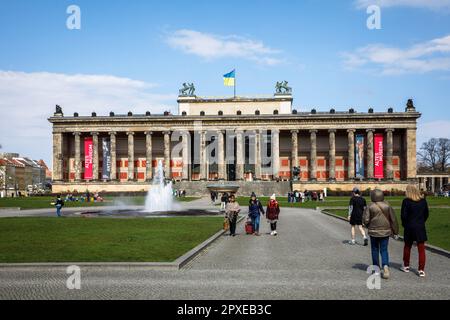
pixel 158 203
pixel 160 196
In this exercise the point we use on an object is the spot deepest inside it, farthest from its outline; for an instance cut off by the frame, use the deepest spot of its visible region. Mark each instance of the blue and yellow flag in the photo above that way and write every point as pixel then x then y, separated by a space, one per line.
pixel 229 79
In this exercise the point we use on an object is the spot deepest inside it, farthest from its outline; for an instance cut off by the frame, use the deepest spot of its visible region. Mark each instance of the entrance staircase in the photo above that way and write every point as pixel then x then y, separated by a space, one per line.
pixel 260 188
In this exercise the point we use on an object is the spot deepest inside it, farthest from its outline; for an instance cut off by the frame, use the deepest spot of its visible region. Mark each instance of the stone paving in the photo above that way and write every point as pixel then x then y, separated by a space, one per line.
pixel 309 259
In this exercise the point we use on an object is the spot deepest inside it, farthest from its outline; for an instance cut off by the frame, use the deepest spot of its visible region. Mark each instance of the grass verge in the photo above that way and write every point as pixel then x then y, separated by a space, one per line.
pixel 102 240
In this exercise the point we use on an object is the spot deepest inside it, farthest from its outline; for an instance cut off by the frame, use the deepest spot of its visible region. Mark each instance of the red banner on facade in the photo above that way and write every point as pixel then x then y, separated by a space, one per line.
pixel 88 157
pixel 379 156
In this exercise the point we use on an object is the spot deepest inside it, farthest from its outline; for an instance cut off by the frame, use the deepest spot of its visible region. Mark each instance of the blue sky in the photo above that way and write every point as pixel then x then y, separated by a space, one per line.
pixel 134 55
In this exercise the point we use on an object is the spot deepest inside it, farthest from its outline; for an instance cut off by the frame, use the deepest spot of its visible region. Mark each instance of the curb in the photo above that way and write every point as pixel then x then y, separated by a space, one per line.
pixel 175 265
pixel 429 247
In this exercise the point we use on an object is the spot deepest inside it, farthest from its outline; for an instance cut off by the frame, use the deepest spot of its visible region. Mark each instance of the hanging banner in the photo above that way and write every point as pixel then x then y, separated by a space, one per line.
pixel 106 170
pixel 378 158
pixel 88 158
pixel 359 156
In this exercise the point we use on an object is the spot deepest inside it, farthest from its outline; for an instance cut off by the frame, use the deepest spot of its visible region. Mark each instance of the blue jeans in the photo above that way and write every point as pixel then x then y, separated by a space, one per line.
pixel 255 221
pixel 58 210
pixel 380 246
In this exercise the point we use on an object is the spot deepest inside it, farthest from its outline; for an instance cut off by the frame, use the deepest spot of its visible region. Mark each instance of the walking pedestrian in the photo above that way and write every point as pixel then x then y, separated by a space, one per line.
pixel 414 214
pixel 382 223
pixel 232 211
pixel 59 203
pixel 255 209
pixel 223 201
pixel 272 214
pixel 355 215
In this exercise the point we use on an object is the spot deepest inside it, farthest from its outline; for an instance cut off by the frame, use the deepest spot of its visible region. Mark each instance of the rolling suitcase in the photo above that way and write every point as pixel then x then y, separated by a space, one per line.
pixel 249 227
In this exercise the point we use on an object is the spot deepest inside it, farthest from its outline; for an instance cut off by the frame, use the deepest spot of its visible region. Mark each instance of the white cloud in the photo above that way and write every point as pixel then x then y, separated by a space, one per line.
pixel 210 46
pixel 28 99
pixel 424 57
pixel 432 129
pixel 427 4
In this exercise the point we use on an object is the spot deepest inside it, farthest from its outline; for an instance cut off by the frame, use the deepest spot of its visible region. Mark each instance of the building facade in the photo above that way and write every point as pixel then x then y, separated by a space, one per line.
pixel 244 140
pixel 21 175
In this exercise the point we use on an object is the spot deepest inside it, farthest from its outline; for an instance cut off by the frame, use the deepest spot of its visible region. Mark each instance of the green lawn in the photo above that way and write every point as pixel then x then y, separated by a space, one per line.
pixel 44 202
pixel 438 226
pixel 102 240
pixel 342 202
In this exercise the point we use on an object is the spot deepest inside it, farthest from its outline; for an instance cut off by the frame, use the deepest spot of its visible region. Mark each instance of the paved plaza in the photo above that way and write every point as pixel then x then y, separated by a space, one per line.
pixel 309 259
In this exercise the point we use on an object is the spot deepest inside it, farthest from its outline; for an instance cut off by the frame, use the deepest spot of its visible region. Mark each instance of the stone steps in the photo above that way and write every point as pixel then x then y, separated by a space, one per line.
pixel 260 188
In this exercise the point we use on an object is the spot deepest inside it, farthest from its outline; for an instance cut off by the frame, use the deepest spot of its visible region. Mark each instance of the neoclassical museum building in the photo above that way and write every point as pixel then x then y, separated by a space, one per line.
pixel 258 143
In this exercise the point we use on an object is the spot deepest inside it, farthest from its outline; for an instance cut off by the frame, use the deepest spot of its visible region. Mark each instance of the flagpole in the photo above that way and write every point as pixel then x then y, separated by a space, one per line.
pixel 235 83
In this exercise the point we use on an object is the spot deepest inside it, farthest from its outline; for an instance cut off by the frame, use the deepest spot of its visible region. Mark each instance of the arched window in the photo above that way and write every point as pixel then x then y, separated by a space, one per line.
pixel 239 112
pixel 202 113
pixel 220 113
pixel 275 111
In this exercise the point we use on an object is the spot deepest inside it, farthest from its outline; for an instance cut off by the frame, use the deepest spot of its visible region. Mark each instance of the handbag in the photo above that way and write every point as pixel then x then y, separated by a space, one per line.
pixel 226 224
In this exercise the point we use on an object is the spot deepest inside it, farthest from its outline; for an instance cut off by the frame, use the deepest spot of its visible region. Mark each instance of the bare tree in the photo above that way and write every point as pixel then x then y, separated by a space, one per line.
pixel 434 154
pixel 444 154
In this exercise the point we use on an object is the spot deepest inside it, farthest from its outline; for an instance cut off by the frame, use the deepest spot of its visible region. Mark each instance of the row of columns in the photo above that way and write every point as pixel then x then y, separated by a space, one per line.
pixel 240 156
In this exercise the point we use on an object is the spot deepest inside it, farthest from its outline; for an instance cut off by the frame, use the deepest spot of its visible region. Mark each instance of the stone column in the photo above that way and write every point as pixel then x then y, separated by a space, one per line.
pixel 332 155
pixel 351 154
pixel 130 156
pixel 112 138
pixel 433 184
pixel 221 155
pixel 186 156
pixel 167 169
pixel 77 156
pixel 239 155
pixel 370 164
pixel 313 156
pixel 148 155
pixel 202 135
pixel 294 154
pixel 57 156
pixel 95 163
pixel 276 153
pixel 257 155
pixel 389 153
pixel 411 166
pixel 440 183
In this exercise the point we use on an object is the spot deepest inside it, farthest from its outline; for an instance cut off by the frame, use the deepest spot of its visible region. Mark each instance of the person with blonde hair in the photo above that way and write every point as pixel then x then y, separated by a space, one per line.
pixel 414 214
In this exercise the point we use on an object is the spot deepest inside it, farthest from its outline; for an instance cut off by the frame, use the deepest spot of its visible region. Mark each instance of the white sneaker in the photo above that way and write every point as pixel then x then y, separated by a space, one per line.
pixel 275 233
pixel 421 273
pixel 271 233
pixel 404 269
pixel 352 242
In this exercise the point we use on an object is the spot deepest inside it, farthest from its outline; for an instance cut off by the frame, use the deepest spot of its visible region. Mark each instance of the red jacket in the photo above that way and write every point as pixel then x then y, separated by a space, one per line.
pixel 273 210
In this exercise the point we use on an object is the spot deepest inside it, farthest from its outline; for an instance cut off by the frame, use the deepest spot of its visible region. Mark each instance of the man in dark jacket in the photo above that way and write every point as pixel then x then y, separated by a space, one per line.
pixel 255 208
pixel 355 215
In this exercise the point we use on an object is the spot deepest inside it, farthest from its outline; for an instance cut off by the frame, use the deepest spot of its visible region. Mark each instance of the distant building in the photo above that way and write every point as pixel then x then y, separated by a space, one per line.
pixel 21 175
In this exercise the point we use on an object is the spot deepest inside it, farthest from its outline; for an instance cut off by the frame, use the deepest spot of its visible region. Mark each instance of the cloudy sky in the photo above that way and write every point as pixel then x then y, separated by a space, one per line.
pixel 133 56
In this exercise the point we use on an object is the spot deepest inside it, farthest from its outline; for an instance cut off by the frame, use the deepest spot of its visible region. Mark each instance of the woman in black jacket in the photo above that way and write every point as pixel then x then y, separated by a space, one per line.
pixel 414 215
